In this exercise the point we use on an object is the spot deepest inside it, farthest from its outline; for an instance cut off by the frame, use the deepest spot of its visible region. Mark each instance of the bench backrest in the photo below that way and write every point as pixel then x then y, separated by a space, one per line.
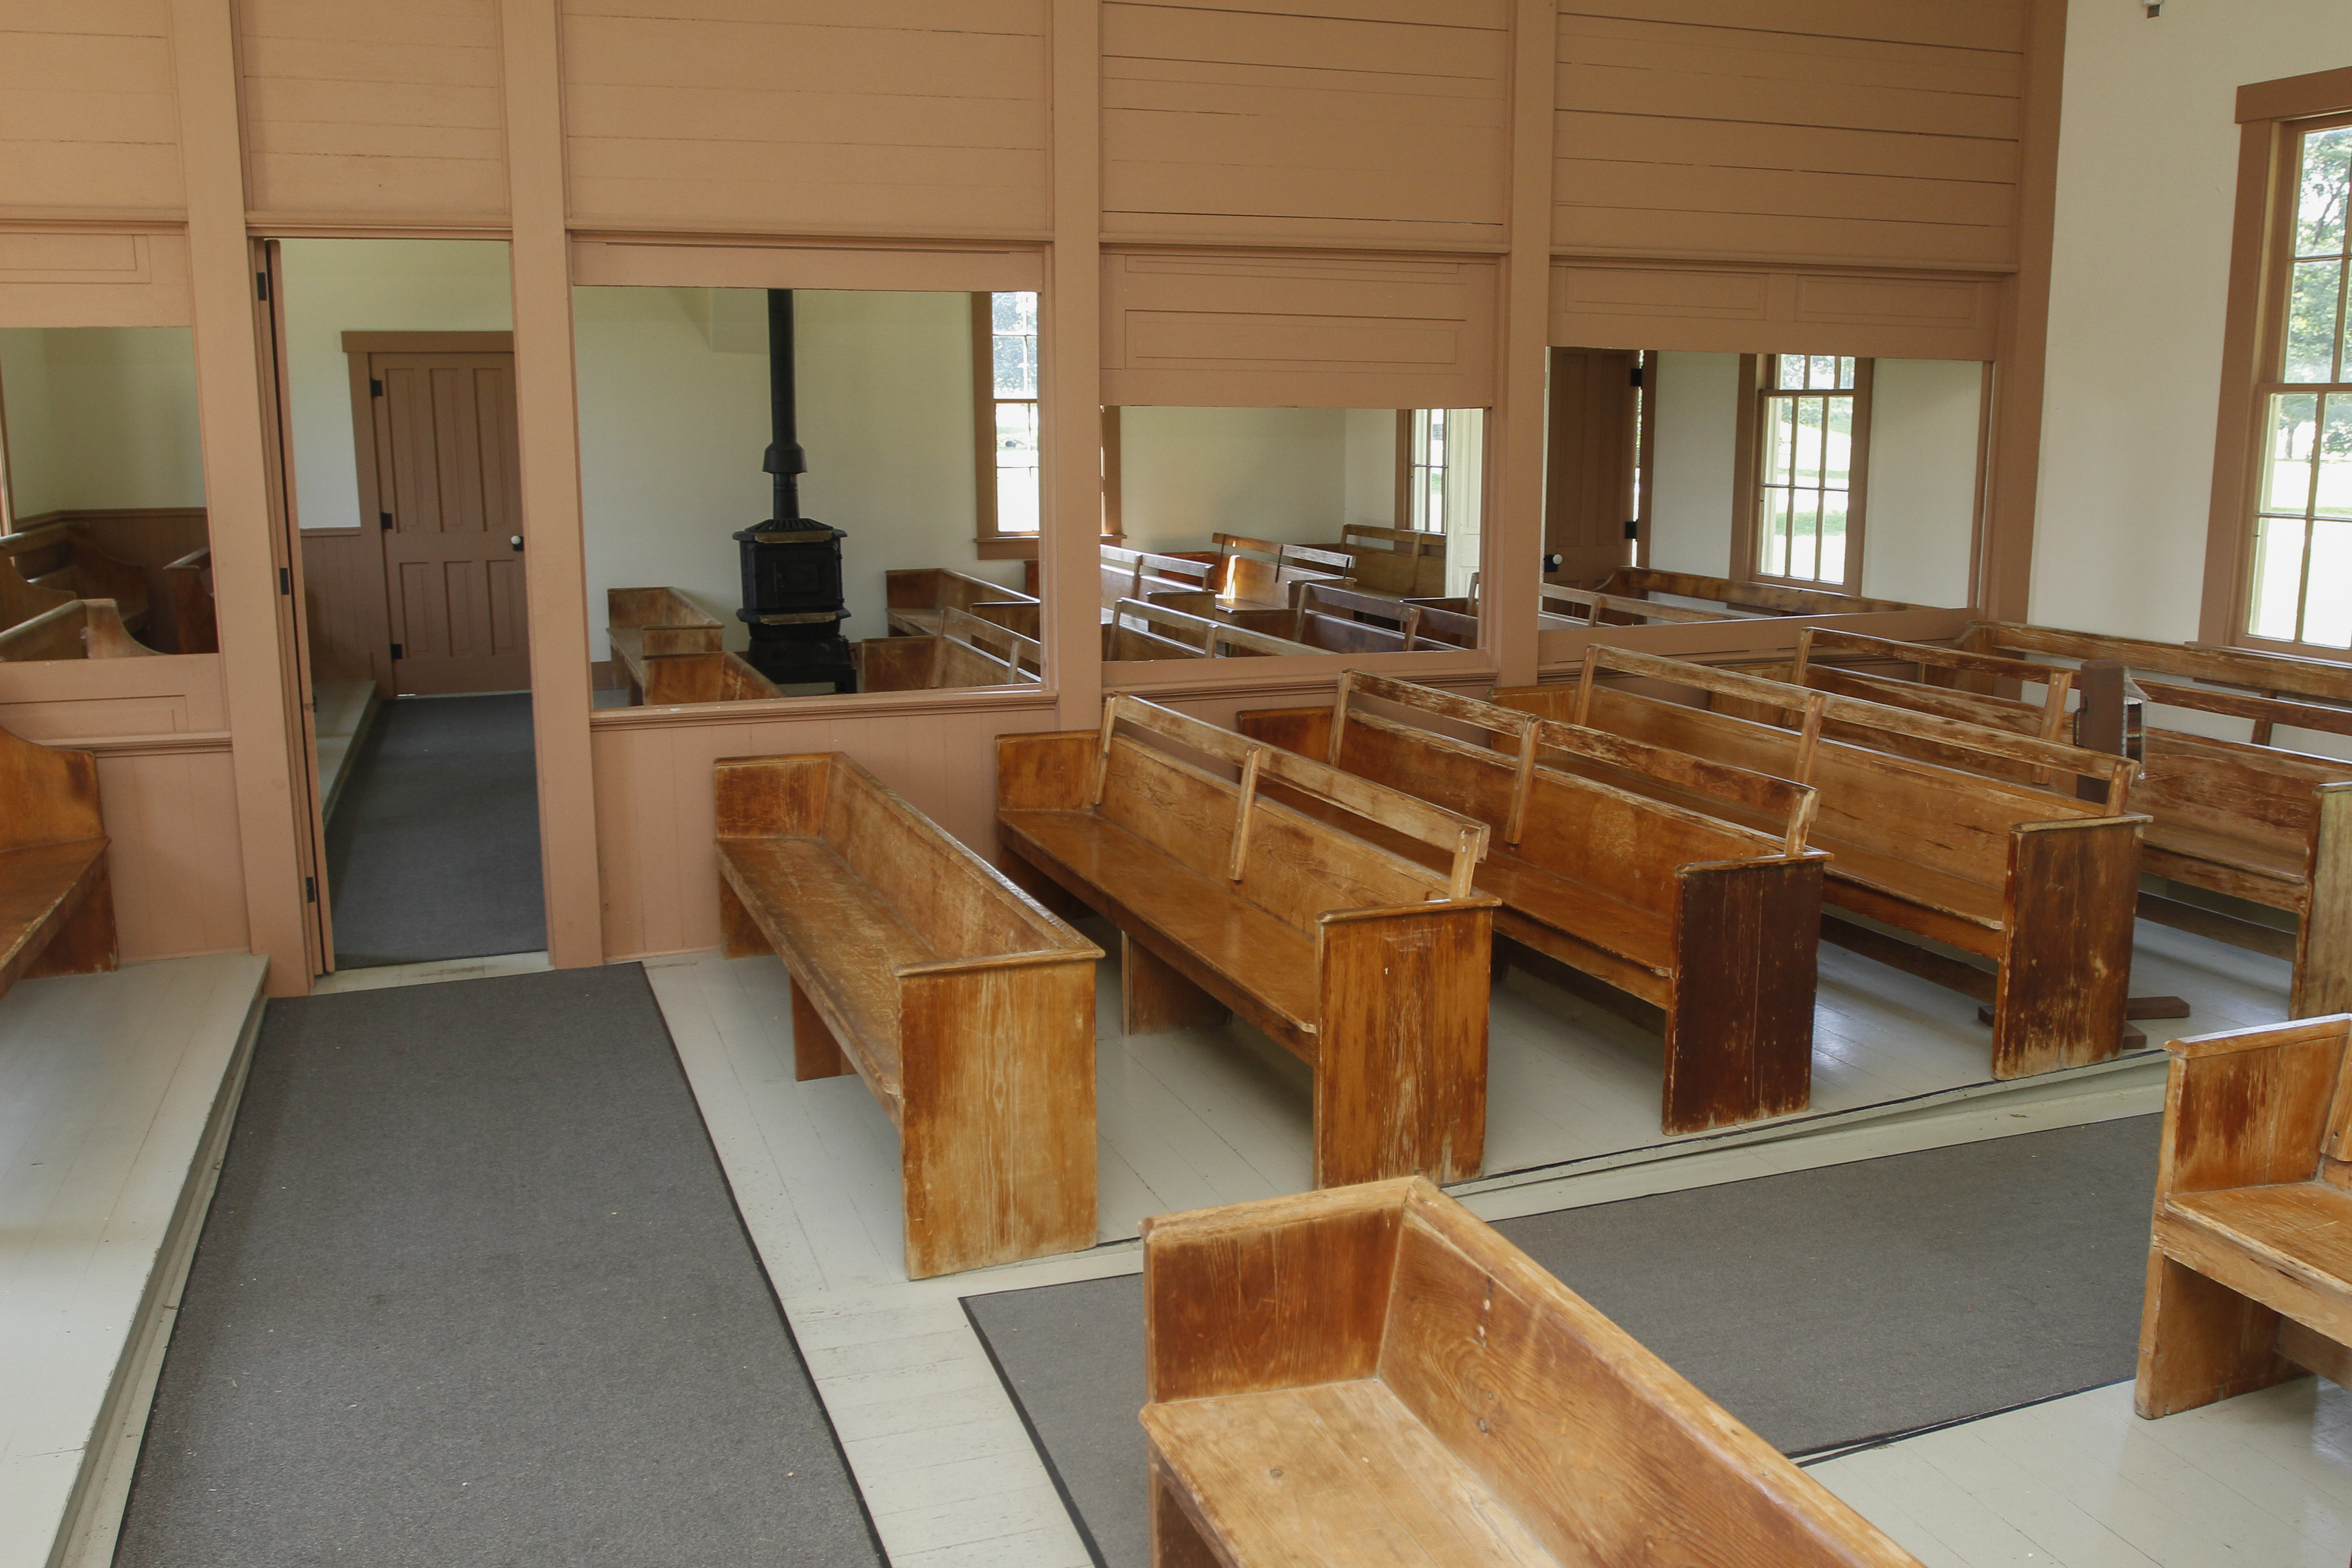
pixel 677 678
pixel 78 628
pixel 2328 680
pixel 1591 606
pixel 2255 792
pixel 1262 571
pixel 1768 597
pixel 939 588
pixel 668 621
pixel 52 792
pixel 1136 574
pixel 1211 634
pixel 1420 625
pixel 1288 864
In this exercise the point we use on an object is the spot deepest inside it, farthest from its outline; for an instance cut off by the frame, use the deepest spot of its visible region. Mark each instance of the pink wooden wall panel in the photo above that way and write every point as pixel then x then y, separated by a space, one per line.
pixel 89 118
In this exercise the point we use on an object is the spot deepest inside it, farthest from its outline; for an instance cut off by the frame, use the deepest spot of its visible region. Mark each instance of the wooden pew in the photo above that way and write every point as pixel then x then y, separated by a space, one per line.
pixel 968 1010
pixel 673 679
pixel 1420 624
pixel 2268 674
pixel 917 598
pixel 2249 1272
pixel 1374 1377
pixel 78 628
pixel 1396 563
pixel 57 903
pixel 1365 965
pixel 966 652
pixel 61 558
pixel 2254 822
pixel 190 581
pixel 1759 598
pixel 2041 884
pixel 1262 573
pixel 1211 635
pixel 1711 923
pixel 655 622
pixel 1138 574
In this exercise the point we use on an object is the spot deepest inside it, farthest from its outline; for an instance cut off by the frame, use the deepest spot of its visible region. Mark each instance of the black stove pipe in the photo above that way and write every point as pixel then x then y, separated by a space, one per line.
pixel 785 460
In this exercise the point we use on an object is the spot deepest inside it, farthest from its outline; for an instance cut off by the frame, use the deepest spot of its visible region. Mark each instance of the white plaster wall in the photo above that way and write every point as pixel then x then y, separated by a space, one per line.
pixel 1371 440
pixel 1272 473
pixel 1920 503
pixel 674 421
pixel 1695 410
pixel 338 286
pixel 2146 181
pixel 100 417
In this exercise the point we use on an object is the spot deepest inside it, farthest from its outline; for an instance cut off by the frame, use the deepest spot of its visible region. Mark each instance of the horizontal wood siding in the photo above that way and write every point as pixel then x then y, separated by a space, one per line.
pixel 1368 121
pixel 655 823
pixel 343 603
pixel 89 118
pixel 925 116
pixel 109 277
pixel 1850 131
pixel 356 107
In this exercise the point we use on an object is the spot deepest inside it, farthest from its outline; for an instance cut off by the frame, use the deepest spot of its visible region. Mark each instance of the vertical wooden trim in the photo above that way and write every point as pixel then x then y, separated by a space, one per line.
pixel 1745 434
pixel 2221 613
pixel 555 577
pixel 1985 379
pixel 2003 589
pixel 983 415
pixel 1857 478
pixel 1512 529
pixel 255 624
pixel 365 443
pixel 1070 365
pixel 1645 457
pixel 1114 499
pixel 1400 509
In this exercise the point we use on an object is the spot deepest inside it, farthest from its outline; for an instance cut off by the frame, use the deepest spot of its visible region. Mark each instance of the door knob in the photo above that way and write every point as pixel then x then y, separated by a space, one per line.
pixel 515 539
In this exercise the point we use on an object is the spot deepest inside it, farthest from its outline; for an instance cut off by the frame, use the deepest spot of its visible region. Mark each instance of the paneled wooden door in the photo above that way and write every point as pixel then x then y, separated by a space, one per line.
pixel 1590 466
pixel 449 509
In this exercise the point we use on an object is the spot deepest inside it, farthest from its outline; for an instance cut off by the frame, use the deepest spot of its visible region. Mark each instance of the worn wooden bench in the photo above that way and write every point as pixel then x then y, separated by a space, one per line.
pixel 2250 1254
pixel 78 628
pixel 1139 574
pixel 1374 1377
pixel 966 650
pixel 1264 573
pixel 1319 621
pixel 2250 821
pixel 1416 624
pixel 673 679
pixel 917 598
pixel 1368 966
pixel 190 582
pixel 1709 922
pixel 1397 562
pixel 1141 630
pixel 1755 598
pixel 57 903
pixel 644 624
pixel 2038 883
pixel 966 1007
pixel 63 558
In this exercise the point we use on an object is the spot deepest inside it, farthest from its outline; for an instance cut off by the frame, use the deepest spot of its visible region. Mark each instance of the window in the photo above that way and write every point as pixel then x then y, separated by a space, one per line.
pixel 2300 582
pixel 1811 435
pixel 1004 410
pixel 1424 440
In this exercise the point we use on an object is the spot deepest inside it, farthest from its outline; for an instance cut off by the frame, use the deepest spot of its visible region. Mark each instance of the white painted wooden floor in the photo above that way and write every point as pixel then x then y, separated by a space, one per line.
pixel 342 711
pixel 116 1095
pixel 1201 1117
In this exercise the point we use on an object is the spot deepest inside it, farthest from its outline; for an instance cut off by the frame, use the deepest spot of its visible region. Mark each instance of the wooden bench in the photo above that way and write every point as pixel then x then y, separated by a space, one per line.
pixel 968 1010
pixel 62 558
pixel 1709 922
pixel 643 624
pixel 2250 821
pixel 1373 1377
pixel 57 903
pixel 1139 574
pixel 190 582
pixel 78 628
pixel 1756 598
pixel 1318 622
pixel 1417 624
pixel 1263 573
pixel 2250 1254
pixel 965 651
pixel 1140 631
pixel 918 597
pixel 1397 563
pixel 1368 966
pixel 2038 883
pixel 675 680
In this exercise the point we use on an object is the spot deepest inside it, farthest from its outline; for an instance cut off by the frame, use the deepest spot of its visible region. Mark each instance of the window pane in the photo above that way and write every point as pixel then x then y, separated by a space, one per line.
pixel 1779 440
pixel 1837 457
pixel 2278 576
pixel 2332 494
pixel 1802 537
pixel 1845 372
pixel 1832 538
pixel 1823 373
pixel 2287 465
pixel 1017 366
pixel 1016 468
pixel 2310 321
pixel 1436 456
pixel 1015 313
pixel 2327 605
pixel 1788 372
pixel 2319 215
pixel 1775 531
pixel 1808 440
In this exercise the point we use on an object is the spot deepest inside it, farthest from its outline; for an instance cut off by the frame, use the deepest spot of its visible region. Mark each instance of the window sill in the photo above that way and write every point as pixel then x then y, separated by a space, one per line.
pixel 1020 547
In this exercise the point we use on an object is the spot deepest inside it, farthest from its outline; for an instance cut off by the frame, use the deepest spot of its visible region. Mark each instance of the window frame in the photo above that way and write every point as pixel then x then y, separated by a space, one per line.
pixel 2275 117
pixel 1407 453
pixel 1756 396
pixel 991 543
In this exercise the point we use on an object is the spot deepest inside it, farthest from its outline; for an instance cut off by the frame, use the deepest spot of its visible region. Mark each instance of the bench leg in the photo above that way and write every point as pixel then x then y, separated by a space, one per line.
pixel 1176 1541
pixel 2201 1341
pixel 2065 965
pixel 1739 1034
pixel 1153 998
pixel 1401 1060
pixel 1058 900
pixel 815 1053
pixel 85 944
pixel 739 934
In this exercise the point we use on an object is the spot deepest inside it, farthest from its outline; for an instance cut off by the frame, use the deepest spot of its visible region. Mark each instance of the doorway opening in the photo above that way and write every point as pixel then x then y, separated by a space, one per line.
pixel 397 393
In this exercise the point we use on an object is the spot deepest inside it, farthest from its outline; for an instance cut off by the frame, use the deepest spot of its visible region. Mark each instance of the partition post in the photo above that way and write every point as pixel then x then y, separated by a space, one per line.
pixel 1069 550
pixel 1514 524
pixel 555 581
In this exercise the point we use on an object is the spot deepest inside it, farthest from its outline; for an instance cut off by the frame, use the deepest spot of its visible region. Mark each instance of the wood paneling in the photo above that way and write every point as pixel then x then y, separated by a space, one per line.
pixel 343 605
pixel 684 264
pixel 54 278
pixel 655 826
pixel 1715 310
pixel 925 116
pixel 88 116
pixel 1205 330
pixel 1369 120
pixel 165 784
pixel 1817 129
pixel 361 110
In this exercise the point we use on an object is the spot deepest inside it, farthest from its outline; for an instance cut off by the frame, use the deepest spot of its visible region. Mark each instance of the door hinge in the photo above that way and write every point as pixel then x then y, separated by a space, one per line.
pixel 397 654
pixel 1637 376
pixel 1634 528
pixel 309 890
pixel 261 285
pixel 286 582
pixel 383 521
pixel 375 386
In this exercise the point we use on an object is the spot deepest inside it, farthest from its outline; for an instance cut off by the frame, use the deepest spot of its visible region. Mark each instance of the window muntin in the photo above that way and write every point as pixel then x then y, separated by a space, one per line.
pixel 1428 437
pixel 2301 587
pixel 1807 421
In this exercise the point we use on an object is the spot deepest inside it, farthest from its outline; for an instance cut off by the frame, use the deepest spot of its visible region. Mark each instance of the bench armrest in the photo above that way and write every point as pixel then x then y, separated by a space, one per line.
pixel 1280 1293
pixel 2253 1107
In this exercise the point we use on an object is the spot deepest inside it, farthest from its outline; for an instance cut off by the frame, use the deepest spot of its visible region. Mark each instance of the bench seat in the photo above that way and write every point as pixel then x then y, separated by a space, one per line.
pixel 41 888
pixel 2175 848
pixel 1907 882
pixel 1336 1472
pixel 56 902
pixel 1641 937
pixel 1189 914
pixel 2300 1229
